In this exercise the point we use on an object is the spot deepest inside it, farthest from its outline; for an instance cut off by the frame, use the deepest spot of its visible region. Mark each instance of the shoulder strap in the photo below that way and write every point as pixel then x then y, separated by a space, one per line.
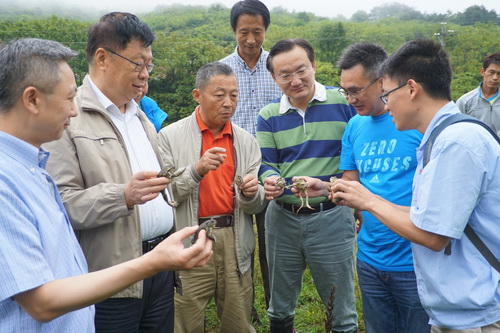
pixel 456 118
pixel 479 244
pixel 471 234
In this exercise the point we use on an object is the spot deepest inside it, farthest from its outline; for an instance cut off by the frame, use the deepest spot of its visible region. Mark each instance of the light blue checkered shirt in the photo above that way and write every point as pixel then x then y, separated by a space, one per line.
pixel 256 89
pixel 37 243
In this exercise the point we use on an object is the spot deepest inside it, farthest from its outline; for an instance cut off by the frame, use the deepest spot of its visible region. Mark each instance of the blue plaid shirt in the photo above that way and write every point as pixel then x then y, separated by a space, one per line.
pixel 37 243
pixel 256 89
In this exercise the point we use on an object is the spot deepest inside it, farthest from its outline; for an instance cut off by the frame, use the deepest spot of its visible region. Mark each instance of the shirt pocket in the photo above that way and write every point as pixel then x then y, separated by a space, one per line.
pixel 102 157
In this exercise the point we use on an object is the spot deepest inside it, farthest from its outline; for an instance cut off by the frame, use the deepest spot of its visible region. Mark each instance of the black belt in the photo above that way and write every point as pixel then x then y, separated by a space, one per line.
pixel 221 221
pixel 304 210
pixel 150 244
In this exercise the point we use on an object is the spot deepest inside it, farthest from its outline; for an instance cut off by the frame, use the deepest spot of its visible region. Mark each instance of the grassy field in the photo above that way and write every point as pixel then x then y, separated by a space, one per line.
pixel 310 312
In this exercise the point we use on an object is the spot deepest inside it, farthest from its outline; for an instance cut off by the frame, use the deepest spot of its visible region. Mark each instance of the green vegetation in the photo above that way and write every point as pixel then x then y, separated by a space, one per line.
pixel 190 36
pixel 310 313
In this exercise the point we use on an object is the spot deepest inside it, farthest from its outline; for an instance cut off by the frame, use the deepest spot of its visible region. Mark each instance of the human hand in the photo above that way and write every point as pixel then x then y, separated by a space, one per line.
pixel 172 255
pixel 352 194
pixel 315 187
pixel 143 187
pixel 272 191
pixel 211 160
pixel 250 186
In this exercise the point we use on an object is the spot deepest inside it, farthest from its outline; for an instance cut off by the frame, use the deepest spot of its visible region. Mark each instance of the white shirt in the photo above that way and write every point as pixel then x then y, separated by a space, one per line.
pixel 156 217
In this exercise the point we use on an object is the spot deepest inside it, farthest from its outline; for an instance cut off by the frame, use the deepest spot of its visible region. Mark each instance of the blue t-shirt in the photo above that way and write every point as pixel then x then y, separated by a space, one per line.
pixel 386 161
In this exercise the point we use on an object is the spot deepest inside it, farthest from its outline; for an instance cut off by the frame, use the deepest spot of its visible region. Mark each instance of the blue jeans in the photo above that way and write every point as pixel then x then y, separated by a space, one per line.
pixel 322 241
pixel 390 301
pixel 153 313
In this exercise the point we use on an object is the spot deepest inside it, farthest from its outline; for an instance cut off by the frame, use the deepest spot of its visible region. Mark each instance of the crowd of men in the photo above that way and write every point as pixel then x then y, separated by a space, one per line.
pixel 98 235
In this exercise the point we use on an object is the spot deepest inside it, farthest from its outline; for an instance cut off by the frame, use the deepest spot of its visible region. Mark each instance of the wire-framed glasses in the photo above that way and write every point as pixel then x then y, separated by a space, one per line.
pixel 138 67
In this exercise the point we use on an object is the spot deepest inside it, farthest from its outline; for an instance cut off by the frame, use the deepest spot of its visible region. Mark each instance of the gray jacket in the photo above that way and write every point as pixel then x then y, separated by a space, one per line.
pixel 90 166
pixel 474 104
pixel 181 145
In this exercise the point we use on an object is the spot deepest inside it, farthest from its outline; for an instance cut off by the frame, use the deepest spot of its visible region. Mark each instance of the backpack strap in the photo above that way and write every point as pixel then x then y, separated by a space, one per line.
pixel 469 232
pixel 456 118
pixel 479 244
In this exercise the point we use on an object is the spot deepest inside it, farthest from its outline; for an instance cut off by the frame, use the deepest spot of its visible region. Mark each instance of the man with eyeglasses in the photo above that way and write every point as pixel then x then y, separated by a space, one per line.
pixel 384 160
pixel 458 186
pixel 106 166
pixel 301 135
pixel 483 102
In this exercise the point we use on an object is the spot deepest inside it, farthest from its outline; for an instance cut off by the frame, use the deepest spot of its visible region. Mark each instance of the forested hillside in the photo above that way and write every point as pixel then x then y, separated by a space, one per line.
pixel 189 36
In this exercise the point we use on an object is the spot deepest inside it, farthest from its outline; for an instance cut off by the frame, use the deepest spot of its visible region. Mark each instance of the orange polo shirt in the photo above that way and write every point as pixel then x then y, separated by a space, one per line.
pixel 216 193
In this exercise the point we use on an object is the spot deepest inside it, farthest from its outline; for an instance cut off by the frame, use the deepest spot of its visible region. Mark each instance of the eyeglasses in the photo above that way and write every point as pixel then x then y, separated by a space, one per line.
pixel 356 93
pixel 138 67
pixel 384 98
pixel 300 74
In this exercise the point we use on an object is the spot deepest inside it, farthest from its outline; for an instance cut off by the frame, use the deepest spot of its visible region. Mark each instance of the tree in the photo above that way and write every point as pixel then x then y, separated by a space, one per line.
pixel 395 10
pixel 331 41
pixel 477 14
pixel 360 16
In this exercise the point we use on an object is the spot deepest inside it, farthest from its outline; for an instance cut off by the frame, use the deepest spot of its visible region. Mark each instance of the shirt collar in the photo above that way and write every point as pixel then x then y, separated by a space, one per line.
pixel 447 110
pixel 319 95
pixel 242 62
pixel 226 130
pixel 131 108
pixel 481 92
pixel 23 151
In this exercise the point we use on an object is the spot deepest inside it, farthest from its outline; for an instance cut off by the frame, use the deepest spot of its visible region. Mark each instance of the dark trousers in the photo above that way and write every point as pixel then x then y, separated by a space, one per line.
pixel 264 268
pixel 152 313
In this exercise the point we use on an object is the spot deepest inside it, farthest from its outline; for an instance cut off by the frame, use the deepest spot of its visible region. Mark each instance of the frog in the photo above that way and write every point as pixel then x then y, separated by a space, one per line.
pixel 332 180
pixel 301 185
pixel 208 226
pixel 280 182
pixel 170 173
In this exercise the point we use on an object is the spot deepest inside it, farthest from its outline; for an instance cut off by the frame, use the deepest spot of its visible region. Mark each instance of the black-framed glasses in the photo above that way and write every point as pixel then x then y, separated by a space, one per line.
pixel 138 67
pixel 300 74
pixel 383 97
pixel 356 93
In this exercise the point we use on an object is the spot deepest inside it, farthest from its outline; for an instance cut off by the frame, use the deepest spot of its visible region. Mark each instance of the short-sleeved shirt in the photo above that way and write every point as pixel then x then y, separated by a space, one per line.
pixel 37 243
pixel 460 185
pixel 386 161
pixel 216 193
pixel 256 89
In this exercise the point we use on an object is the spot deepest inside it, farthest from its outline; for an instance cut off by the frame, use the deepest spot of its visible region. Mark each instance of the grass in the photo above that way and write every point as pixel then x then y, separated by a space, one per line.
pixel 309 313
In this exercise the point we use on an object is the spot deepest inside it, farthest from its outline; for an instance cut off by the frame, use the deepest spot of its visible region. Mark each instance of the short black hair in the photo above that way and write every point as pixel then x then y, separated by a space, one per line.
pixel 491 59
pixel 424 61
pixel 369 55
pixel 286 45
pixel 116 30
pixel 249 7
pixel 208 71
pixel 30 62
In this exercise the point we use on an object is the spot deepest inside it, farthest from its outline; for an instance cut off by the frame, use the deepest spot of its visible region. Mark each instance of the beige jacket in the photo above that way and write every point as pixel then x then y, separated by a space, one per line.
pixel 180 145
pixel 90 165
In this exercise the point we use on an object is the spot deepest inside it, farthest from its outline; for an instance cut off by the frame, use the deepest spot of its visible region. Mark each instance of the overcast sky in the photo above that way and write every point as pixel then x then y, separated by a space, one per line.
pixel 328 8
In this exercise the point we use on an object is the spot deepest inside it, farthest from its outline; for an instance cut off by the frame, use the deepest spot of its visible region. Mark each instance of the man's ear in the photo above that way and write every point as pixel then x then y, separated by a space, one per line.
pixel 100 57
pixel 31 99
pixel 415 88
pixel 196 95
